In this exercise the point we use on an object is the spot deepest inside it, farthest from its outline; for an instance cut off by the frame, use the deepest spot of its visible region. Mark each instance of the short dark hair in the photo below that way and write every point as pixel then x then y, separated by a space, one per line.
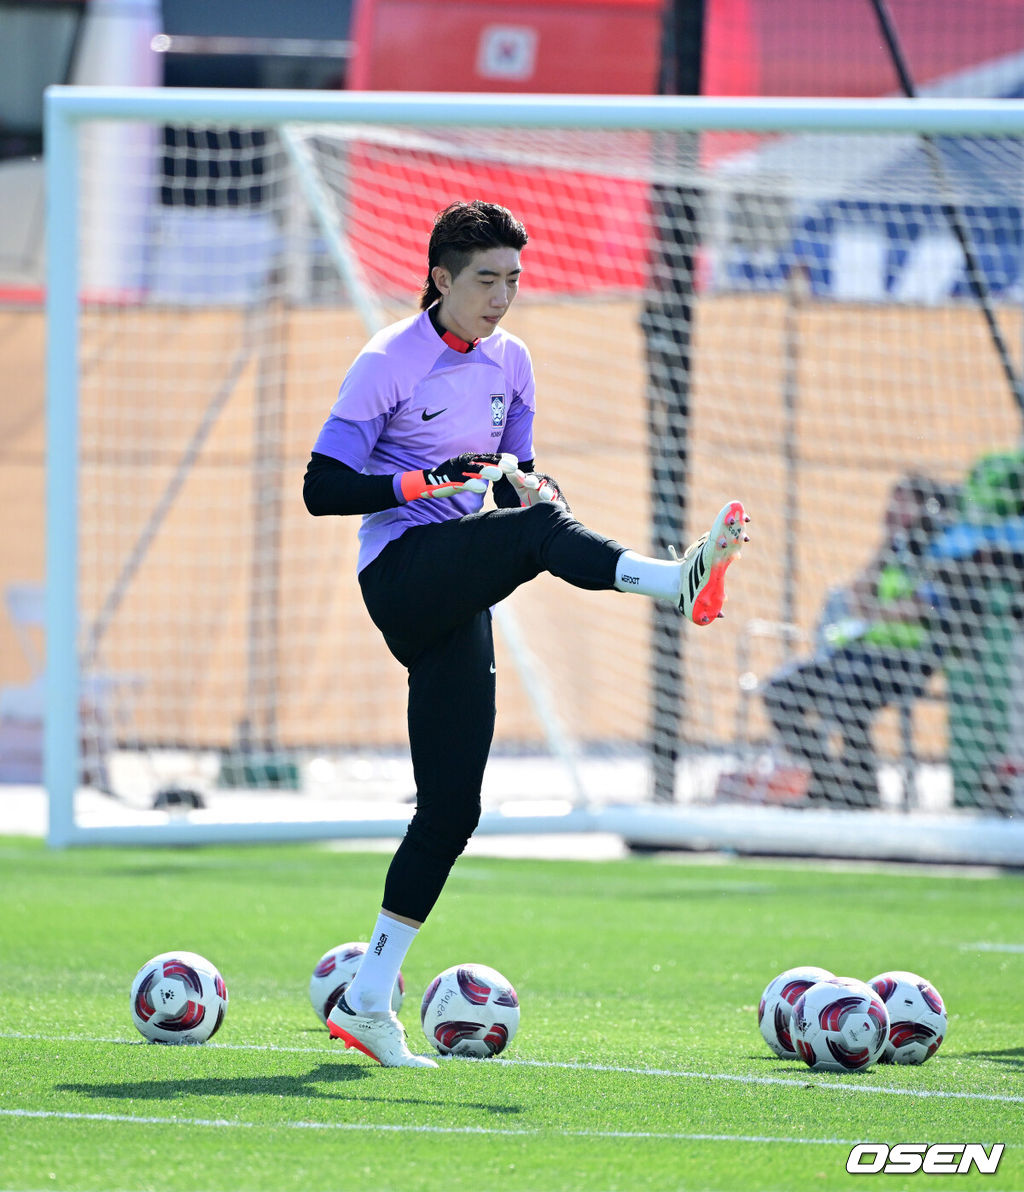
pixel 462 229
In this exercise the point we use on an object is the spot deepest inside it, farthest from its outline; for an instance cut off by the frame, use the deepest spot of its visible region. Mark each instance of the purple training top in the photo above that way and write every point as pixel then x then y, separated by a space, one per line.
pixel 412 401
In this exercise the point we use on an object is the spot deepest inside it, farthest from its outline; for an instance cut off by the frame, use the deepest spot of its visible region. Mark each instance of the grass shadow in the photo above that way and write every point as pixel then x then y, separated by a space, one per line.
pixel 1013 1057
pixel 281 1085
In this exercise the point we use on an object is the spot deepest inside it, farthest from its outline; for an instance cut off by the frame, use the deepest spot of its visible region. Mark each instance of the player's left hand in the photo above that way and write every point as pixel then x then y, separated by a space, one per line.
pixel 538 488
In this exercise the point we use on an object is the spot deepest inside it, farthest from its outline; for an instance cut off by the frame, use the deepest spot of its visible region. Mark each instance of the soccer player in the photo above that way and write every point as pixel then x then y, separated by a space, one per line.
pixel 433 410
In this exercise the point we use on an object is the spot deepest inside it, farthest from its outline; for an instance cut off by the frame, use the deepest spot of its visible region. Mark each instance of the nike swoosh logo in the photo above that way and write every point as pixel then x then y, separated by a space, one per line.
pixel 427 417
pixel 493 671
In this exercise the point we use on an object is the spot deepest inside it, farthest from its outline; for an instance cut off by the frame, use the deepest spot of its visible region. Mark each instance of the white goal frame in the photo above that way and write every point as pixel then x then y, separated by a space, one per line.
pixel 68 108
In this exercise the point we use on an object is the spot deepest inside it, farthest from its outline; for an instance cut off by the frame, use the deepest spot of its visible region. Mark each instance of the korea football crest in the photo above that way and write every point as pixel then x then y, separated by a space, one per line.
pixel 497 409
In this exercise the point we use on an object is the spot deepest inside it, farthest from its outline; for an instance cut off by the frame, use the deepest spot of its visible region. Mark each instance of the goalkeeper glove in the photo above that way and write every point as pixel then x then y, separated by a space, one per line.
pixel 537 488
pixel 468 473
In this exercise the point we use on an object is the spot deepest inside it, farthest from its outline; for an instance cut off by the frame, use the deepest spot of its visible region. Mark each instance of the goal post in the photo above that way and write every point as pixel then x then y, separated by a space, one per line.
pixel 204 635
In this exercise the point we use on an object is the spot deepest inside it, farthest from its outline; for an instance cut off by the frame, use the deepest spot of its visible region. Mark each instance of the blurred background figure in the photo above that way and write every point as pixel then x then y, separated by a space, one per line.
pixel 876 647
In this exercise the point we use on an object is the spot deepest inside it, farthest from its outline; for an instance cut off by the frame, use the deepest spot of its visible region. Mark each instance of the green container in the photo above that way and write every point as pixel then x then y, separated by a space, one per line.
pixel 994 488
pixel 261 771
pixel 979 687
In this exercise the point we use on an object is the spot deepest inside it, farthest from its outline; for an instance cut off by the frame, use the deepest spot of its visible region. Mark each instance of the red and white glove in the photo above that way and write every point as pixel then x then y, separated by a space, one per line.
pixel 537 488
pixel 468 473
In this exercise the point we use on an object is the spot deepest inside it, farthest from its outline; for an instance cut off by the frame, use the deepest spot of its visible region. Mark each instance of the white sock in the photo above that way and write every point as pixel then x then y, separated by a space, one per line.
pixel 650 577
pixel 370 991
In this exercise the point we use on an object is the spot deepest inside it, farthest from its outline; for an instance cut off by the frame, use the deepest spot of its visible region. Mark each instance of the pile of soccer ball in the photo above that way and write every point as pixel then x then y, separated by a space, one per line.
pixel 838 1024
pixel 469 1010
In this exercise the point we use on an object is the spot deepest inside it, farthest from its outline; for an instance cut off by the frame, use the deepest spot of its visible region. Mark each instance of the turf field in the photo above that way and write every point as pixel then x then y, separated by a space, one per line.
pixel 638 1063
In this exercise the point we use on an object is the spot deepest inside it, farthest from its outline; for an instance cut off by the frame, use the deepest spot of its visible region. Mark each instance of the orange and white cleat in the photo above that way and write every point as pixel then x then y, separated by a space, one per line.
pixel 704 563
pixel 380 1036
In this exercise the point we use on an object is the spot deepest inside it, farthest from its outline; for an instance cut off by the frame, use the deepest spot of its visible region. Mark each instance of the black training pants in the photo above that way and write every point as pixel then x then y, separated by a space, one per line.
pixel 430 593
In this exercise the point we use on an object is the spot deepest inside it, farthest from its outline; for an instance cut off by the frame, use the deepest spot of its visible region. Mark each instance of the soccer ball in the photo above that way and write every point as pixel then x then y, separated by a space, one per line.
pixel 178 997
pixel 333 975
pixel 917 1017
pixel 776 1006
pixel 839 1025
pixel 470 1010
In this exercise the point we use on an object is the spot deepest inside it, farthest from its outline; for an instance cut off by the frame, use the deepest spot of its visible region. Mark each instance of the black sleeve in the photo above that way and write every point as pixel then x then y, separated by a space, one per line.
pixel 330 486
pixel 505 496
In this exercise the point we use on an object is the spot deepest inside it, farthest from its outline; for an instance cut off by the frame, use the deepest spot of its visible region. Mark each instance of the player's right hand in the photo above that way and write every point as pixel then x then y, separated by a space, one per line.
pixel 462 473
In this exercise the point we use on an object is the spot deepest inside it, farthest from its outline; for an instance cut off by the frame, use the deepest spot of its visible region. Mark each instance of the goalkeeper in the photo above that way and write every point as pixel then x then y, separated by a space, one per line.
pixel 434 410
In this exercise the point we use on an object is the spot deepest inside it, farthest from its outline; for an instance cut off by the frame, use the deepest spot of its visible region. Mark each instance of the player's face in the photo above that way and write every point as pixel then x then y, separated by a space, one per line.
pixel 474 302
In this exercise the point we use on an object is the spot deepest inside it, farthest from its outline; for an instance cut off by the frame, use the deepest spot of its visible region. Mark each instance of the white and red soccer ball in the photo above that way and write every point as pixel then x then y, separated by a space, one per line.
pixel 333 974
pixel 775 1009
pixel 917 1017
pixel 839 1025
pixel 178 997
pixel 470 1010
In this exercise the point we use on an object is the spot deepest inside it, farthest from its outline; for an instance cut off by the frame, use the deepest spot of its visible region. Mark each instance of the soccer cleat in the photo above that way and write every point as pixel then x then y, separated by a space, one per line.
pixel 704 563
pixel 380 1036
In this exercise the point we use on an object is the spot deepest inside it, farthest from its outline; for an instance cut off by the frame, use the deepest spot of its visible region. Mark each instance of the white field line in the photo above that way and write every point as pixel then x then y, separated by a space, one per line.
pixel 987 946
pixel 811 1080
pixel 370 1127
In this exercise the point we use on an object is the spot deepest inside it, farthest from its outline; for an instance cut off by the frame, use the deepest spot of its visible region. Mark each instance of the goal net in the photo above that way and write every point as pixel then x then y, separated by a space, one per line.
pixel 812 306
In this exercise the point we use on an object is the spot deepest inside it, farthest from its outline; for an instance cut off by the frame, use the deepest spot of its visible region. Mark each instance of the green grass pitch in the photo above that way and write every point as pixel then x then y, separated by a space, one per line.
pixel 638 1063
